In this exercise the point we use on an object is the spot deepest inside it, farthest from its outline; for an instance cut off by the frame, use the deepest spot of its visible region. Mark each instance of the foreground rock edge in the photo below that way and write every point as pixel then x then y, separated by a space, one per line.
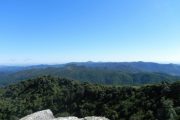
pixel 48 115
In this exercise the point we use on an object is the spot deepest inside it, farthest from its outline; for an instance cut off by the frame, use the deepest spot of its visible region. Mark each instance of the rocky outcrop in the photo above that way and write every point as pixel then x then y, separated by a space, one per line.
pixel 48 115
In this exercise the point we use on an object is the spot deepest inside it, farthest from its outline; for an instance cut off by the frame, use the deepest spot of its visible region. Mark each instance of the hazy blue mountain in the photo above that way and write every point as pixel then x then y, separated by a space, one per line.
pixel 11 69
pixel 98 75
pixel 173 69
pixel 96 72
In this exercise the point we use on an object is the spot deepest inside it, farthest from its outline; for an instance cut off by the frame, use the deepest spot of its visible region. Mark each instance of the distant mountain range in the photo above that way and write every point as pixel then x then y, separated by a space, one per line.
pixel 172 69
pixel 11 69
pixel 120 73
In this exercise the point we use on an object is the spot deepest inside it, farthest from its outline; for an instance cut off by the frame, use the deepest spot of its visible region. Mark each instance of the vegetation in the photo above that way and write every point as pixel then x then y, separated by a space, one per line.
pixel 171 69
pixel 66 97
pixel 90 74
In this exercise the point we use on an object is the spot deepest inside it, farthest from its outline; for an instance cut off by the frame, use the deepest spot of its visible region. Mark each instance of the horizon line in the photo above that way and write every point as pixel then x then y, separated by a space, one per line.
pixel 61 63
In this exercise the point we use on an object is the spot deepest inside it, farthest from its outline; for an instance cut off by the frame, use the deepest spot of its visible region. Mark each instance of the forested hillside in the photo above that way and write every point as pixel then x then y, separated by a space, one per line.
pixel 66 97
pixel 171 69
pixel 90 74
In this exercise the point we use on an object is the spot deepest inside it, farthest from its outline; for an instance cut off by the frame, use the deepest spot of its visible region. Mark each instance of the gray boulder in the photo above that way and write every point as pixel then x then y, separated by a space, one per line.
pixel 48 115
pixel 41 115
pixel 86 118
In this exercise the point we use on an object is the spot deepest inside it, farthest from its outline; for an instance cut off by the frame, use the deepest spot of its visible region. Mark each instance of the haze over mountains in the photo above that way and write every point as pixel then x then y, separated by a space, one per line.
pixel 173 69
pixel 118 73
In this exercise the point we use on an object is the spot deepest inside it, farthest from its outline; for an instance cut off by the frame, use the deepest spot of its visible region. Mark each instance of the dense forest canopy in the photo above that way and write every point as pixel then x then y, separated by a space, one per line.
pixel 66 97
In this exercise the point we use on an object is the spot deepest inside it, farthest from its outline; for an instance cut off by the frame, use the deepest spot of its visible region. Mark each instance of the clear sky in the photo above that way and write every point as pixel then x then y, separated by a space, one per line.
pixel 58 31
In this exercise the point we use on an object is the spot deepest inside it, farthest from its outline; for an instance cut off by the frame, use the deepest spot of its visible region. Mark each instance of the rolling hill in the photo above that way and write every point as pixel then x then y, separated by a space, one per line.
pixel 90 74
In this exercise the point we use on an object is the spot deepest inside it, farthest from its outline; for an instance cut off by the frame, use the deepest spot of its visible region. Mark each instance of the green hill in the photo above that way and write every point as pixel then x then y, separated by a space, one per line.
pixel 93 75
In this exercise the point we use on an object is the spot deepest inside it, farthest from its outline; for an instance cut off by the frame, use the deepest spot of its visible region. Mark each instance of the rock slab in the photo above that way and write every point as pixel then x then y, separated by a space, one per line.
pixel 48 115
pixel 41 115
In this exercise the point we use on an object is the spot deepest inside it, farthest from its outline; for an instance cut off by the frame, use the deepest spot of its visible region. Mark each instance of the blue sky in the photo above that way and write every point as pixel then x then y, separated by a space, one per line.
pixel 59 31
